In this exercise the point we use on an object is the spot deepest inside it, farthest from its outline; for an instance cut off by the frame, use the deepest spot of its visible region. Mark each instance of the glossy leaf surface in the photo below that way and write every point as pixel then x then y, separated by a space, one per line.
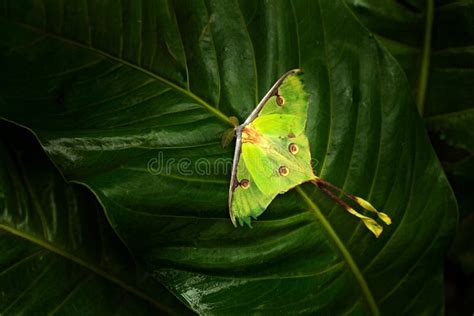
pixel 58 254
pixel 132 101
pixel 447 64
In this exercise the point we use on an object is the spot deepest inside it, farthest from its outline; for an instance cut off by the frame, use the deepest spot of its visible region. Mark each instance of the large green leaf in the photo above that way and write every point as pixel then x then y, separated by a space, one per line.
pixel 58 254
pixel 110 89
pixel 437 57
pixel 434 41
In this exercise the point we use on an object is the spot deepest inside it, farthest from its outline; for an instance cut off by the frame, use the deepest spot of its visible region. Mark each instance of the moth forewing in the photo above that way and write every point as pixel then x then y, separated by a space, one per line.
pixel 272 155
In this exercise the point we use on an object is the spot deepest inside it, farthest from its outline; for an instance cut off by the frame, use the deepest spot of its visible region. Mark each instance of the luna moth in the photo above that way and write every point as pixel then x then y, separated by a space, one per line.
pixel 272 155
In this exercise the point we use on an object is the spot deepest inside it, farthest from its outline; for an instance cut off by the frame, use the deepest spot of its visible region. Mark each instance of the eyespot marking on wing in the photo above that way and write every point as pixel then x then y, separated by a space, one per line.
pixel 283 171
pixel 293 148
pixel 244 184
pixel 280 100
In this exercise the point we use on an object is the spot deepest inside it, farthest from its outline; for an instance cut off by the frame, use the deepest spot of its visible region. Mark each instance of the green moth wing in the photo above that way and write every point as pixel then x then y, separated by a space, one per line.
pixel 272 152
pixel 272 155
pixel 275 169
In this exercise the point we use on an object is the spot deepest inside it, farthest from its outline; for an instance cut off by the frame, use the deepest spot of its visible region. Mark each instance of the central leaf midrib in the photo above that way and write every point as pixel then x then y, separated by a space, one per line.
pixel 352 265
pixel 91 267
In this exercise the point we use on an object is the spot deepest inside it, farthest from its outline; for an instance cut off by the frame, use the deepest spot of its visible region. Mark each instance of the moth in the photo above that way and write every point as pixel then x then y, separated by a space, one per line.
pixel 272 155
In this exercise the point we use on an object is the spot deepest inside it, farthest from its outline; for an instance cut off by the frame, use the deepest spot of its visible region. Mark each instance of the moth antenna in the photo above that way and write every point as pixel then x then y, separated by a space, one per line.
pixel 227 137
pixel 234 120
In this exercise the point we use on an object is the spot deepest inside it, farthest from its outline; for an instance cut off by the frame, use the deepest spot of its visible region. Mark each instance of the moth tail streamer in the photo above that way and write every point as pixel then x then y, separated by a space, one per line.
pixel 370 223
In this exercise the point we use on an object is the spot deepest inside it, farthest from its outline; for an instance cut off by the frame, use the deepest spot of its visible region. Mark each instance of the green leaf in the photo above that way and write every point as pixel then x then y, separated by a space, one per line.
pixel 455 128
pixel 132 101
pixel 58 254
pixel 437 57
pixel 445 68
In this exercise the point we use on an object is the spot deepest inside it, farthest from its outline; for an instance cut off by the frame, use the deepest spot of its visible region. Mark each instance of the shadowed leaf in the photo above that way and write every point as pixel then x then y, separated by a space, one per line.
pixel 118 102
